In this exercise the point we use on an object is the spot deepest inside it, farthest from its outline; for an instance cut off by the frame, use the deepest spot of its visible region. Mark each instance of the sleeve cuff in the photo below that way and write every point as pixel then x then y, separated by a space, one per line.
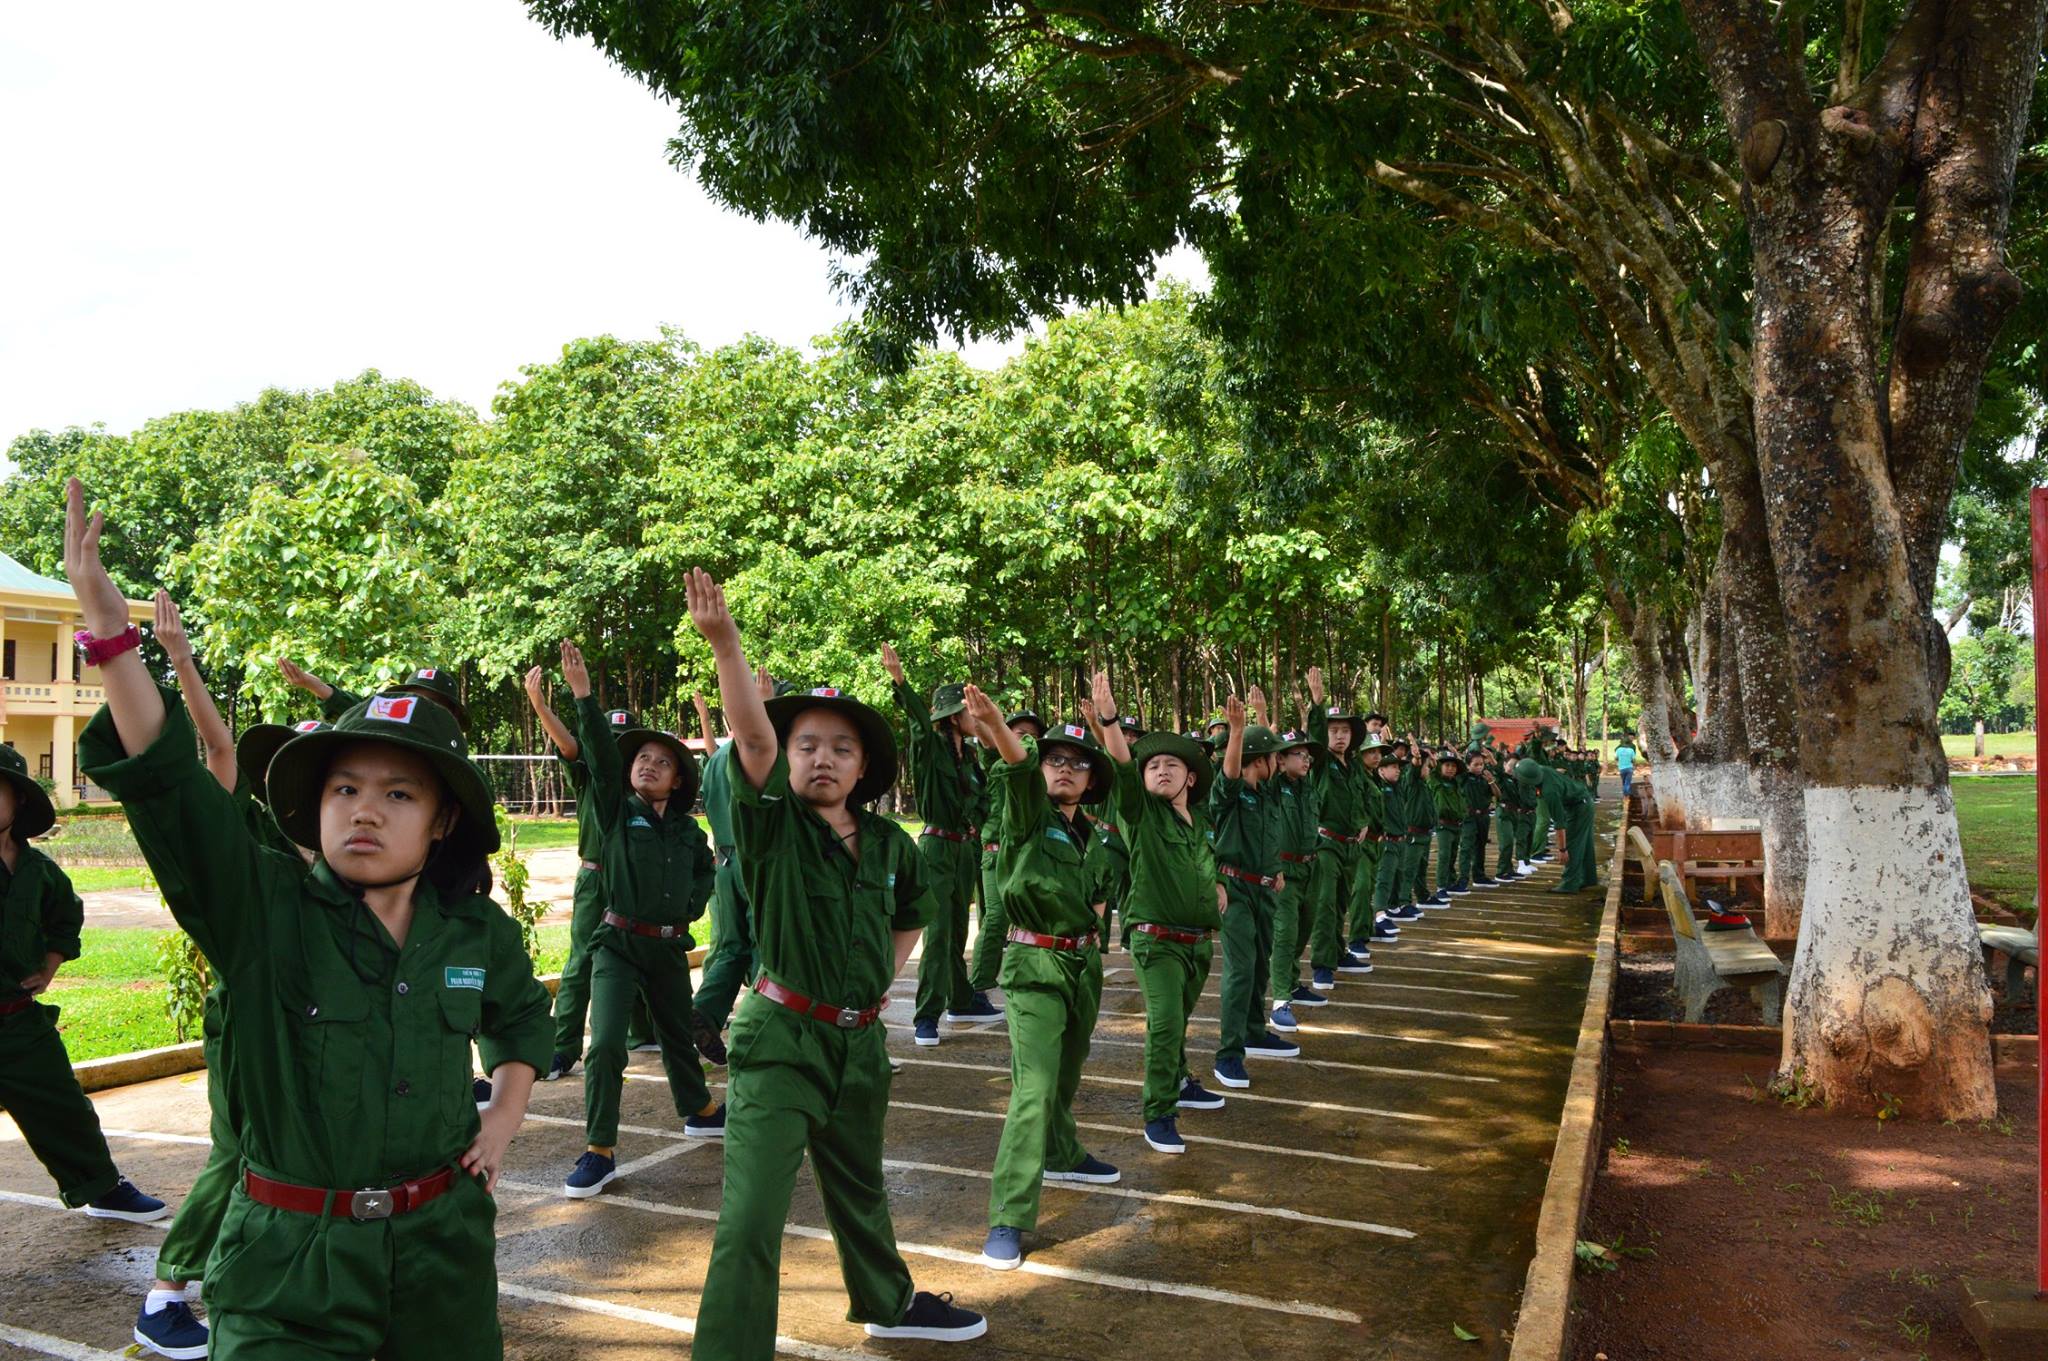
pixel 141 775
pixel 772 791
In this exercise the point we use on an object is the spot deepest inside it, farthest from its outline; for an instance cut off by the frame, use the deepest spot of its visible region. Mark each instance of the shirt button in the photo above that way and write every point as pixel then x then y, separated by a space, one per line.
pixel 312 1010
pixel 405 1086
pixel 404 988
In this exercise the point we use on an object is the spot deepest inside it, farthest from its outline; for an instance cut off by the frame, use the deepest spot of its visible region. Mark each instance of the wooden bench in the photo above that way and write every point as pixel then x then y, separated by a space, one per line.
pixel 1712 854
pixel 1641 859
pixel 1709 961
pixel 2021 949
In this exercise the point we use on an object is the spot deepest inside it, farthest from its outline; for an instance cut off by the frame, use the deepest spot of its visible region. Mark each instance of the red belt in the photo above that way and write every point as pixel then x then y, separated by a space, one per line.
pixel 1450 822
pixel 640 928
pixel 362 1205
pixel 1023 937
pixel 944 835
pixel 1423 830
pixel 17 1005
pixel 591 865
pixel 1109 827
pixel 991 847
pixel 1297 859
pixel 1342 837
pixel 1246 876
pixel 846 1018
pixel 1169 933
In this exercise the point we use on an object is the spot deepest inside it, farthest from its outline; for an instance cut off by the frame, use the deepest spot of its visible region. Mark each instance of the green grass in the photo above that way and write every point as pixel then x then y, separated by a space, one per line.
pixel 1995 744
pixel 1996 818
pixel 100 878
pixel 542 834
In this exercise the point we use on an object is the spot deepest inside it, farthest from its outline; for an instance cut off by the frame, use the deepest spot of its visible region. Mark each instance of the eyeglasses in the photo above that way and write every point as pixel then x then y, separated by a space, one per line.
pixel 1059 760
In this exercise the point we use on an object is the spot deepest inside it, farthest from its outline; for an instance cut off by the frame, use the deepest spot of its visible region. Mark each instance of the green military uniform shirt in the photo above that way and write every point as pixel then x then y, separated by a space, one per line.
pixel 1342 783
pixel 952 793
pixel 824 923
pixel 1172 868
pixel 1044 872
pixel 40 915
pixel 1478 794
pixel 1245 830
pixel 589 831
pixel 717 770
pixel 1298 813
pixel 1447 797
pixel 351 1054
pixel 657 866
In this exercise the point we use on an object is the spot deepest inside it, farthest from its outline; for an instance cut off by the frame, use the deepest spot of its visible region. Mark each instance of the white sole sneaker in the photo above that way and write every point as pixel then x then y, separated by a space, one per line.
pixel 973 1330
pixel 998 1264
pixel 1252 1053
pixel 1089 1178
pixel 1330 986
pixel 174 1353
pixel 1236 1083
pixel 1165 1148
pixel 922 1042
pixel 149 1217
pixel 586 1192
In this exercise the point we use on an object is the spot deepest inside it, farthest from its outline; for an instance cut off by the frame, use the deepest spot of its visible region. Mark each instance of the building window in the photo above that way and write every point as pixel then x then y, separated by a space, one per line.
pixel 7 660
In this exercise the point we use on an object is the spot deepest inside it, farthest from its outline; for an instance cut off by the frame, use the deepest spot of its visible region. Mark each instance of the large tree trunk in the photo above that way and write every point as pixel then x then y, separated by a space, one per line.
pixel 1644 623
pixel 1856 466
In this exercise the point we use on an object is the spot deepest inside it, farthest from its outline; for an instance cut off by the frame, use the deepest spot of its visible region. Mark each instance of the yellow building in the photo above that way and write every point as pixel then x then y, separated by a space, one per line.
pixel 48 692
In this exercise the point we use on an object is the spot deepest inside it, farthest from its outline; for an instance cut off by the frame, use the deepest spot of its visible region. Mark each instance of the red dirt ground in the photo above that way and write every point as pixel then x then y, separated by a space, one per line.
pixel 1748 1229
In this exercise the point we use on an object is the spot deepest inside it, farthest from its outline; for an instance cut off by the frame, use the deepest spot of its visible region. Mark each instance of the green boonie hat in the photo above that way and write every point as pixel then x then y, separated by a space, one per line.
pixel 260 742
pixel 948 699
pixel 1133 729
pixel 299 769
pixel 1024 716
pixel 33 812
pixel 1216 721
pixel 632 739
pixel 777 689
pixel 621 721
pixel 1201 739
pixel 1448 754
pixel 876 736
pixel 1480 732
pixel 1077 735
pixel 1164 743
pixel 1260 740
pixel 1528 770
pixel 1378 744
pixel 1295 737
pixel 438 684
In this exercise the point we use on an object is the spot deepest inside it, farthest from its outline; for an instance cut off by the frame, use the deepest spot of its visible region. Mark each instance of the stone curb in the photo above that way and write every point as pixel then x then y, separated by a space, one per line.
pixel 1543 1327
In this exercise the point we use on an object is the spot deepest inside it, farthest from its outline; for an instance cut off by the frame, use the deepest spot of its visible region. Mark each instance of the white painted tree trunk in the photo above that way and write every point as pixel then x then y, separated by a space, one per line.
pixel 1670 780
pixel 1979 730
pixel 1887 996
pixel 1717 789
pixel 1781 806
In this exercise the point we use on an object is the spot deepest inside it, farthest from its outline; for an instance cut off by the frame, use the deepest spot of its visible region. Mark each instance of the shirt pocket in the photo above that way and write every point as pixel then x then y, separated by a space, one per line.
pixel 462 1013
pixel 326 1032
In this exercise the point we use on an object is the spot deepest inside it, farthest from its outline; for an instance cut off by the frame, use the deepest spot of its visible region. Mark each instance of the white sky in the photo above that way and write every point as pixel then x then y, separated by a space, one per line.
pixel 204 200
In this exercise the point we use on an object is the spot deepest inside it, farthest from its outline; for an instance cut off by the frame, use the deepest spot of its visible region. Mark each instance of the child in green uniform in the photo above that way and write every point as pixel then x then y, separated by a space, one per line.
pixel 1052 978
pixel 362 1224
pixel 1420 818
pixel 952 797
pixel 657 871
pixel 1173 905
pixel 40 917
pixel 994 933
pixel 1393 866
pixel 1300 822
pixel 1447 795
pixel 837 898
pixel 1244 818
pixel 1477 786
pixel 1570 805
pixel 1341 877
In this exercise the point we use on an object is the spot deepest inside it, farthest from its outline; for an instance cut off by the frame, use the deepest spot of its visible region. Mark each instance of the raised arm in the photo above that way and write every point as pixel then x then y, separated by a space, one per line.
pixel 132 698
pixel 305 680
pixel 704 722
pixel 558 731
pixel 213 729
pixel 987 721
pixel 1103 719
pixel 1255 705
pixel 1233 752
pixel 752 733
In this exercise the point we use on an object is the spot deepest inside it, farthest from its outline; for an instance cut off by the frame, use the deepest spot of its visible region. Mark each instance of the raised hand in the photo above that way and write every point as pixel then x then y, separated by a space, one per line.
pixel 764 684
pixel 708 614
pixel 1233 713
pixel 304 679
pixel 99 600
pixel 1315 684
pixel 536 695
pixel 982 712
pixel 170 629
pixel 1256 703
pixel 575 670
pixel 892 664
pixel 1105 703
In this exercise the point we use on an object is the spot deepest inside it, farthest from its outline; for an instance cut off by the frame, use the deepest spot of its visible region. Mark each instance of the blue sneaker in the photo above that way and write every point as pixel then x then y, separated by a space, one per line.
pixel 125 1202
pixel 1437 899
pixel 1282 1020
pixel 980 1009
pixel 558 1068
pixel 592 1173
pixel 1307 997
pixel 1461 889
pixel 1353 963
pixel 1163 1136
pixel 710 1126
pixel 1385 931
pixel 1004 1250
pixel 1090 1169
pixel 933 1318
pixel 1231 1073
pixel 171 1331
pixel 1195 1097
pixel 1359 946
pixel 926 1033
pixel 480 1090
pixel 1271 1046
pixel 1406 912
pixel 1323 980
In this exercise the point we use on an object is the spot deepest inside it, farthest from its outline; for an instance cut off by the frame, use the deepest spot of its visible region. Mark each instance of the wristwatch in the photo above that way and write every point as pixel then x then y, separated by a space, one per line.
pixel 99 651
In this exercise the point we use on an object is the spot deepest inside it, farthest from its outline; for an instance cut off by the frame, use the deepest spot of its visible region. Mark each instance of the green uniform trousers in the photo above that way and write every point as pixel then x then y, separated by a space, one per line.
pixel 1514 837
pixel 730 965
pixel 1330 896
pixel 1580 871
pixel 1247 964
pixel 1372 856
pixel 994 935
pixel 1171 976
pixel 1293 922
pixel 1387 884
pixel 625 967
pixel 1539 833
pixel 572 994
pixel 416 1287
pixel 1447 872
pixel 799 1085
pixel 951 868
pixel 193 1232
pixel 1415 854
pixel 1472 848
pixel 1049 1030
pixel 38 1089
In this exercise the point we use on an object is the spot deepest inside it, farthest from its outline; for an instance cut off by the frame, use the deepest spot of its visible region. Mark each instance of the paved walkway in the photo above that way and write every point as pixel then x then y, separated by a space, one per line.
pixel 1361 1201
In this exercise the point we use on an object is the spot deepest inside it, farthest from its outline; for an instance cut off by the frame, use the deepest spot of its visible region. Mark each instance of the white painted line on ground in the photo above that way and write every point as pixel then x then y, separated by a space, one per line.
pixel 1378 983
pixel 672 1323
pixel 662 1155
pixel 1234 1096
pixel 1032 1265
pixel 1406 950
pixel 52 1203
pixel 1380 967
pixel 1313 1063
pixel 1101 1127
pixel 44 1345
pixel 1311 1024
pixel 1166 1198
pixel 200 1139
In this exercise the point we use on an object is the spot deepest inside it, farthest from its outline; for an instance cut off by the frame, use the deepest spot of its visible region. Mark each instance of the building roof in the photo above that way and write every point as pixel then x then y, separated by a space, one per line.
pixel 15 577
